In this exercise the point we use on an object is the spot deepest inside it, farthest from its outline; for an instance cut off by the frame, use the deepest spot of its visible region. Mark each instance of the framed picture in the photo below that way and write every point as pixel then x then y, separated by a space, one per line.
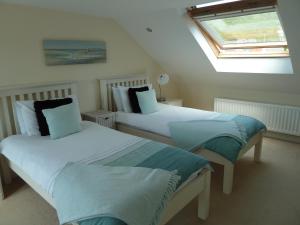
pixel 67 52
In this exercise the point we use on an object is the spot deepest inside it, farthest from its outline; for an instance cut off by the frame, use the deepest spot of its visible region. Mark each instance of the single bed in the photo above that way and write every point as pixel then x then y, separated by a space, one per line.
pixel 38 160
pixel 147 126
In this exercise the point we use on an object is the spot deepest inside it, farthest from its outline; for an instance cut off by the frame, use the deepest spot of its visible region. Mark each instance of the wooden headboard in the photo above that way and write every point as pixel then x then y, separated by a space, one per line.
pixel 10 94
pixel 107 101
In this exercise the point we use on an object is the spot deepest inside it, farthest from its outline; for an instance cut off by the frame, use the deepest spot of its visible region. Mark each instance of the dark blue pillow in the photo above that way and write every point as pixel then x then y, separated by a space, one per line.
pixel 47 104
pixel 134 103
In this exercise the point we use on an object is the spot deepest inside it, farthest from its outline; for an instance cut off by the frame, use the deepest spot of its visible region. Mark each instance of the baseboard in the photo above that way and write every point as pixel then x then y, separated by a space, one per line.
pixel 284 137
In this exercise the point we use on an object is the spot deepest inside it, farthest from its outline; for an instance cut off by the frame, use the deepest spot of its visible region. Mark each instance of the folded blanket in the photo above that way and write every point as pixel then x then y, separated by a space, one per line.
pixel 226 135
pixel 134 195
pixel 192 134
pixel 146 154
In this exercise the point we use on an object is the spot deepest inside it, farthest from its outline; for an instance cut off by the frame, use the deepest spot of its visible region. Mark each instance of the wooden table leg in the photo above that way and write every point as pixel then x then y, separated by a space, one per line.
pixel 1 189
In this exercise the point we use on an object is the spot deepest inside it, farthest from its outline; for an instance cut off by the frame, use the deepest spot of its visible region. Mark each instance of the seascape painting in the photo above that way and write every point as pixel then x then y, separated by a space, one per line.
pixel 67 52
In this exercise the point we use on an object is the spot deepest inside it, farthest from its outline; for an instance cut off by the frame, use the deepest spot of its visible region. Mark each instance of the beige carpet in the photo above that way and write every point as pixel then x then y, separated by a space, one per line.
pixel 267 193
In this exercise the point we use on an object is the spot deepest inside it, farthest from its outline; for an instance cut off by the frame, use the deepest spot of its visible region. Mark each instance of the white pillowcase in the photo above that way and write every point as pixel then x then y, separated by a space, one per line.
pixel 30 121
pixel 124 97
pixel 20 118
pixel 123 91
pixel 117 98
pixel 27 118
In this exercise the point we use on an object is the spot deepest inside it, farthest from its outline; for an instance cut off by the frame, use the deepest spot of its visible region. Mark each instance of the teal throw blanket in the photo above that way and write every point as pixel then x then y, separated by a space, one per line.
pixel 142 155
pixel 134 195
pixel 226 135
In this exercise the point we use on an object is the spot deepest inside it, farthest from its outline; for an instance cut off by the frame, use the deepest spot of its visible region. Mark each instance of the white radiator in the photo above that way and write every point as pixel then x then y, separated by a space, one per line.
pixel 278 118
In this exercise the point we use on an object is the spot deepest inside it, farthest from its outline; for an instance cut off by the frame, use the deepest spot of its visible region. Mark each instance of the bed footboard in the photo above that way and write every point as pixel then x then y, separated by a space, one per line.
pixel 198 187
pixel 204 198
pixel 1 190
pixel 258 150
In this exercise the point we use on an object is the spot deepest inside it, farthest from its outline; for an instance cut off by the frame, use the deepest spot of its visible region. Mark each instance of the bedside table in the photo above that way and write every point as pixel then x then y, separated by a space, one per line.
pixel 103 118
pixel 173 101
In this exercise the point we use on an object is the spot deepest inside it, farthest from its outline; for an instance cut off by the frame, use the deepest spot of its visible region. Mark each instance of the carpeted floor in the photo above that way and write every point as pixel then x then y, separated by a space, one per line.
pixel 267 193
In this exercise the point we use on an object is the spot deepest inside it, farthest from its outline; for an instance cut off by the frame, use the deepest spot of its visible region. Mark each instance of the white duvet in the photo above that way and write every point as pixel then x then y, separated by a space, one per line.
pixel 158 122
pixel 42 158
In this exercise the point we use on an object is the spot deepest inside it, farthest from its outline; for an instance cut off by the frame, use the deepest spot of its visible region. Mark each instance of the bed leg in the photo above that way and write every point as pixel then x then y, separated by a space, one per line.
pixel 5 170
pixel 204 198
pixel 258 150
pixel 228 178
pixel 1 190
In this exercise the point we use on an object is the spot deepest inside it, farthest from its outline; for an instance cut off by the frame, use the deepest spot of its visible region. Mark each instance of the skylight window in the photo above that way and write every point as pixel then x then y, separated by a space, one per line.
pixel 242 29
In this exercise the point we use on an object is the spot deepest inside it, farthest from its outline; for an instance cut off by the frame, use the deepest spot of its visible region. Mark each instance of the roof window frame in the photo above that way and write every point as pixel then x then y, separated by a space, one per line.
pixel 237 8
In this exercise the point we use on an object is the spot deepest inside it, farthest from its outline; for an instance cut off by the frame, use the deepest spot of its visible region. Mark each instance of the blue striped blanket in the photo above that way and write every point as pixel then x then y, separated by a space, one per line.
pixel 159 162
pixel 226 135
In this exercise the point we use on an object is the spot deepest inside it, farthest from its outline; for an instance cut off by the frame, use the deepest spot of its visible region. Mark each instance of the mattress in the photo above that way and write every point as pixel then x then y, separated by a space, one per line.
pixel 164 115
pixel 42 158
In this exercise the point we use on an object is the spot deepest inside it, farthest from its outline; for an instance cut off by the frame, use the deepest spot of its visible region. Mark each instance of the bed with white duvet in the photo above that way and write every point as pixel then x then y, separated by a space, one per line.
pixel 43 159
pixel 221 138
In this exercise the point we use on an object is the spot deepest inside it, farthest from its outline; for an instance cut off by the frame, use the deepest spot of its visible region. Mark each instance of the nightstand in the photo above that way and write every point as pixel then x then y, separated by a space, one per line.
pixel 173 101
pixel 103 118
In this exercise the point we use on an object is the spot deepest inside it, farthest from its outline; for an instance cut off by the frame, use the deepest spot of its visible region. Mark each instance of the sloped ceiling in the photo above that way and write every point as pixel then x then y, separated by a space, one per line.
pixel 173 46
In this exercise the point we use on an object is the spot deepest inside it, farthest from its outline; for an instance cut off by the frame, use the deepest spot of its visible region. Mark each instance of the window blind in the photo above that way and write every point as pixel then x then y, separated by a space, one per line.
pixel 237 8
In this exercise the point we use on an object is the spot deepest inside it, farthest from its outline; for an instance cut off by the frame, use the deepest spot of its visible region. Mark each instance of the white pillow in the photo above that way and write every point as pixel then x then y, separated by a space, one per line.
pixel 76 102
pixel 21 122
pixel 123 92
pixel 27 118
pixel 117 98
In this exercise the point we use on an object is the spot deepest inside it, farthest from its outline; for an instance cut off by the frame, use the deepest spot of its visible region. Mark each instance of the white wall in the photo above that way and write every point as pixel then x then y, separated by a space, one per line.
pixel 170 44
pixel 206 94
pixel 22 30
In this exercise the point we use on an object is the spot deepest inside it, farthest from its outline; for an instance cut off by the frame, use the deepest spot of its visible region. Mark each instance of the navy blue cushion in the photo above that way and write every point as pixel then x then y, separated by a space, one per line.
pixel 47 104
pixel 134 103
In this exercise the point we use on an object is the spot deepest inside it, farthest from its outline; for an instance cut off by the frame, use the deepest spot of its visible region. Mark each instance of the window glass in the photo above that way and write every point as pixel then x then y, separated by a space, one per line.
pixel 247 30
pixel 242 34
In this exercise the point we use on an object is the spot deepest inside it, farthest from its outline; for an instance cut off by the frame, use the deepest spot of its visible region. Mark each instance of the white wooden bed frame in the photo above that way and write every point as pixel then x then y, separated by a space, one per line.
pixel 200 186
pixel 107 103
